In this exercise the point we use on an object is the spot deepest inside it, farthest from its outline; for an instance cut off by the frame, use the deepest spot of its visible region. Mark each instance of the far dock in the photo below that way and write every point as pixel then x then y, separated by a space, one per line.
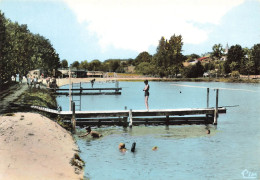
pixel 88 91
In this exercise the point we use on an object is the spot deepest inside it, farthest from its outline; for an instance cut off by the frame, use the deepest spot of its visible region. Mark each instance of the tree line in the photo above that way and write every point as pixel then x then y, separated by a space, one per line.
pixel 168 61
pixel 22 51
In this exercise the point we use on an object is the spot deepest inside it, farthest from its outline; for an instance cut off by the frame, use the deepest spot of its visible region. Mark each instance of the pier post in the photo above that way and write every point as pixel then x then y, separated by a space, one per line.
pixel 73 118
pixel 207 116
pixel 207 97
pixel 130 118
pixel 216 109
pixel 167 120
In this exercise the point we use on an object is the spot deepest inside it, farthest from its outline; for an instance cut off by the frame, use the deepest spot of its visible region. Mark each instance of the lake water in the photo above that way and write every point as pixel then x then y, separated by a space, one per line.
pixel 231 151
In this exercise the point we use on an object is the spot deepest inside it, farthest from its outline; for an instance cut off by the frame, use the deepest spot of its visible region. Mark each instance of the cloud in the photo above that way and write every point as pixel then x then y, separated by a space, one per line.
pixel 139 24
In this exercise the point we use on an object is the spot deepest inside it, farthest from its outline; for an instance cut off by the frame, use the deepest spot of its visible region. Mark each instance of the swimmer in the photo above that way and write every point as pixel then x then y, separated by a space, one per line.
pixel 133 147
pixel 94 134
pixel 155 148
pixel 208 131
pixel 121 147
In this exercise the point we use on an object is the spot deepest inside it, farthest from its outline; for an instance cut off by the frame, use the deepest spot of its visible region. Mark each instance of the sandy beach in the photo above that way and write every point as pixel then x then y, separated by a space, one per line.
pixel 66 81
pixel 34 147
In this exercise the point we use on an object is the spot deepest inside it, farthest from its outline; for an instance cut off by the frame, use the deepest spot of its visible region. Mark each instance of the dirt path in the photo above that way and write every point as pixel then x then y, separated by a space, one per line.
pixel 9 96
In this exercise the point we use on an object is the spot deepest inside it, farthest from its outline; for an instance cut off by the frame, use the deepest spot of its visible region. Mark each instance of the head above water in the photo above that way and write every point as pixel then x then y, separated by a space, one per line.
pixel 146 82
pixel 88 129
pixel 121 146
pixel 154 148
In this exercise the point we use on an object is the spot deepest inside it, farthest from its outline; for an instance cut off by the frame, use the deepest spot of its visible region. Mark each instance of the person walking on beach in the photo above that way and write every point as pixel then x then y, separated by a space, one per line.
pixel 146 93
pixel 29 81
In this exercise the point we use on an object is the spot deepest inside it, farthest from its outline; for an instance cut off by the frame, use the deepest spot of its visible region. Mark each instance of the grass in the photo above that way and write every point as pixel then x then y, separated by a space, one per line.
pixel 38 97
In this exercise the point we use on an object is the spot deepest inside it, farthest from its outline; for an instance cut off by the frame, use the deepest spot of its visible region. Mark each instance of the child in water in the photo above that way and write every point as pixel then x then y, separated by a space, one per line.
pixel 94 134
pixel 121 147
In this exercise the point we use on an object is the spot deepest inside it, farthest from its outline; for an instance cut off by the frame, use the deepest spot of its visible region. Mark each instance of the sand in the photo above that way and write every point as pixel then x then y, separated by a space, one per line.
pixel 66 81
pixel 34 147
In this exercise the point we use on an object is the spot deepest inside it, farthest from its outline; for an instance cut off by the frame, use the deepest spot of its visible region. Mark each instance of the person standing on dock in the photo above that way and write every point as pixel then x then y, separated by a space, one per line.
pixel 92 82
pixel 146 93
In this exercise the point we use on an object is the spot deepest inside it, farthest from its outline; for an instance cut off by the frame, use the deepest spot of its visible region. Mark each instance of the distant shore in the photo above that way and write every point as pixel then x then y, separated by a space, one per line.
pixel 66 81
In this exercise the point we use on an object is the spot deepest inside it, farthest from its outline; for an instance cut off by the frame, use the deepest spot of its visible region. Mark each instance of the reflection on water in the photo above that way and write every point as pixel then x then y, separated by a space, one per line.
pixel 184 152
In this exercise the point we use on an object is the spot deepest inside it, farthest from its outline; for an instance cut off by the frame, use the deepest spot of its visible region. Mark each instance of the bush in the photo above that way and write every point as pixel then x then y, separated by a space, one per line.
pixel 235 74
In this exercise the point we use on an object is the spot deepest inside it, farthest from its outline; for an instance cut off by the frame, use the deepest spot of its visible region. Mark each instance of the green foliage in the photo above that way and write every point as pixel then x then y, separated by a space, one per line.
pixel 22 51
pixel 193 71
pixel 145 68
pixel 3 48
pixel 256 58
pixel 143 57
pixel 64 63
pixel 38 97
pixel 235 74
pixel 75 64
pixel 168 58
pixel 83 65
pixel 217 51
pixel 234 58
pixel 95 65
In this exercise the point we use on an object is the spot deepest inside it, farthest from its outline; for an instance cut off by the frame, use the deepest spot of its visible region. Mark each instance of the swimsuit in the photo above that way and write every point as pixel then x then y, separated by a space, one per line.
pixel 146 92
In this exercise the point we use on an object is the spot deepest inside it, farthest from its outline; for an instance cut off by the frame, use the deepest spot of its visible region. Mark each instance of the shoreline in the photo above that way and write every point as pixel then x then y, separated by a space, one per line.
pixel 35 147
pixel 66 81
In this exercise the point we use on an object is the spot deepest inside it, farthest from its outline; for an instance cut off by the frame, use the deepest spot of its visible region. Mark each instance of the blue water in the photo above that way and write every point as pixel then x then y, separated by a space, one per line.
pixel 184 152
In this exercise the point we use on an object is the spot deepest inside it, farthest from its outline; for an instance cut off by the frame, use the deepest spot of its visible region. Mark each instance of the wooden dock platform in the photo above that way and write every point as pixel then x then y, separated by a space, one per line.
pixel 137 117
pixel 90 91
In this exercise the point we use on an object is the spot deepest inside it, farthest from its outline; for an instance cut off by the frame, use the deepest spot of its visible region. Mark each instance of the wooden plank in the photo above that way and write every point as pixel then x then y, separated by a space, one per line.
pixel 158 112
pixel 88 89
pixel 88 93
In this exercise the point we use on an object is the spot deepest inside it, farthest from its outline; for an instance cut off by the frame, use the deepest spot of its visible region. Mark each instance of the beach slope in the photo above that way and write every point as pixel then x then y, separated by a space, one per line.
pixel 34 147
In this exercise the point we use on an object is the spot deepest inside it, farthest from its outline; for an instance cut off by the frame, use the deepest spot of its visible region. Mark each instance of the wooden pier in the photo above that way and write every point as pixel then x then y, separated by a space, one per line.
pixel 137 117
pixel 88 91
pixel 208 115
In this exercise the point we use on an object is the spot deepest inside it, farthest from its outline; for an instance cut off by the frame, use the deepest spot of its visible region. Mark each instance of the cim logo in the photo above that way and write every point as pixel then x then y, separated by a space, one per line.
pixel 248 174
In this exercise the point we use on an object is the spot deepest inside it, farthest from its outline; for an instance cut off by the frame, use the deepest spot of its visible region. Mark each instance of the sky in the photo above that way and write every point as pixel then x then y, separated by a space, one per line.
pixel 108 29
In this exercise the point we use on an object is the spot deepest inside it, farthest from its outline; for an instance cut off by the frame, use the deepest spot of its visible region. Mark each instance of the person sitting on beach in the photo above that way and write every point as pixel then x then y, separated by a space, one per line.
pixel 94 134
pixel 121 147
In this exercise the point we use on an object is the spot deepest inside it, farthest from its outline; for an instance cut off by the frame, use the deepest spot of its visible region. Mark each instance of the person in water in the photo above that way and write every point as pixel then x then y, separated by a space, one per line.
pixel 94 134
pixel 155 148
pixel 121 147
pixel 146 93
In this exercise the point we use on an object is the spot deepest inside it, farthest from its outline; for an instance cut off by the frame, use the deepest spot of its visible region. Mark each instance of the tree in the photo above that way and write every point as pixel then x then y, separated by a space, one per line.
pixel 168 58
pixel 249 67
pixel 256 58
pixel 145 68
pixel 233 66
pixel 143 57
pixel 22 51
pixel 95 65
pixel 235 54
pixel 217 51
pixel 3 43
pixel 75 64
pixel 83 65
pixel 193 71
pixel 64 63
